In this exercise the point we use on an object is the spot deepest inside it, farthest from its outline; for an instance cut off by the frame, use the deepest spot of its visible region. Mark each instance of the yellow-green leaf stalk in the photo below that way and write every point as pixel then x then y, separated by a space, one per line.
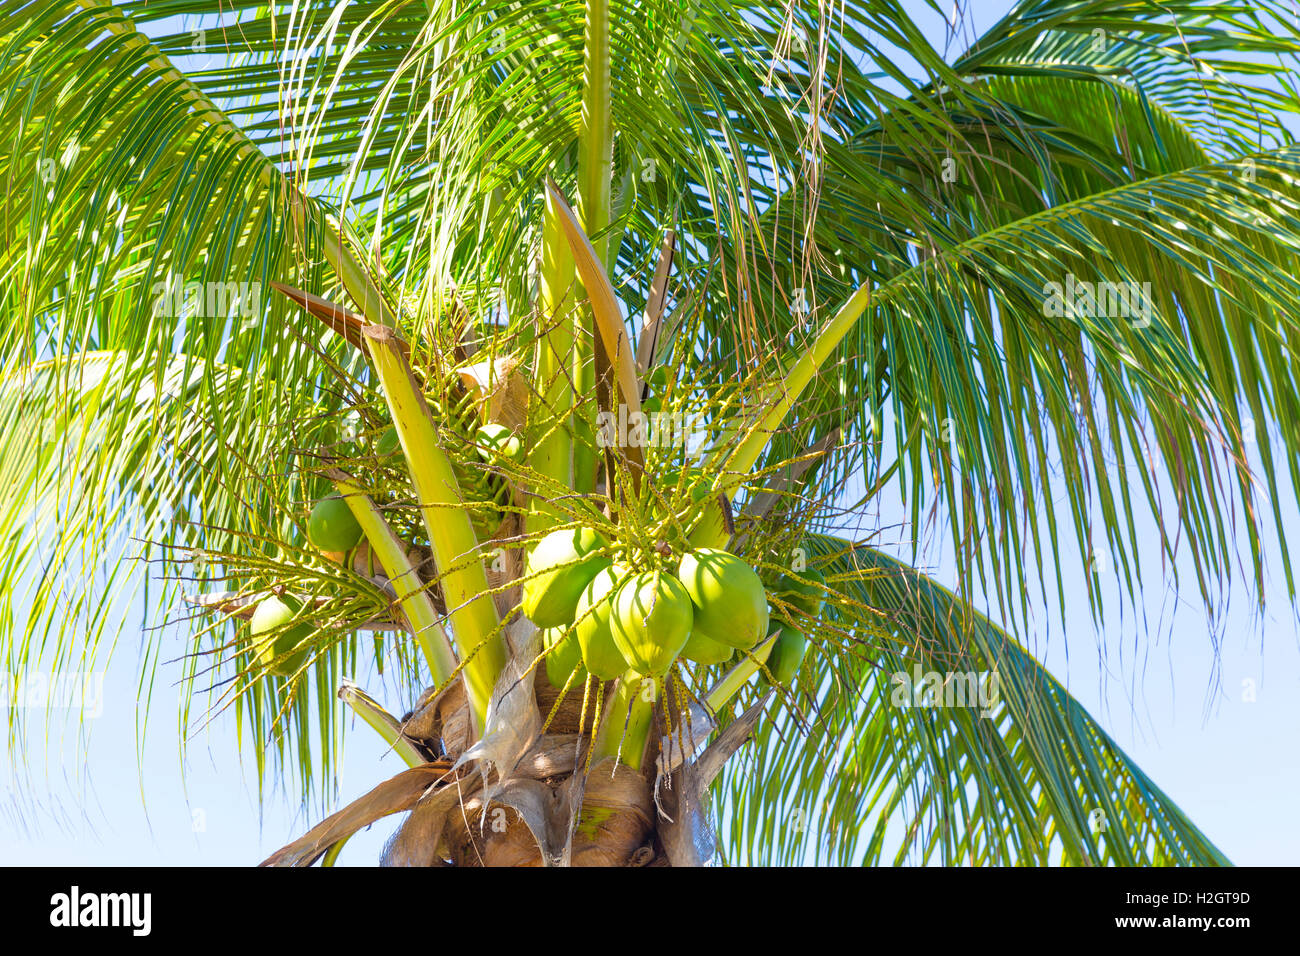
pixel 384 723
pixel 628 720
pixel 595 171
pixel 730 469
pixel 387 726
pixel 738 676
pixel 596 137
pixel 551 414
pixel 412 596
pixel 341 253
pixel 474 621
pixel 604 303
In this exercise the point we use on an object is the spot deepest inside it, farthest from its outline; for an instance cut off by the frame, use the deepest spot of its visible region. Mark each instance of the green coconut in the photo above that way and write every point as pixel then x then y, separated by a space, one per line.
pixel 332 526
pixel 651 621
pixel 705 650
pixel 803 590
pixel 595 637
pixel 563 656
pixel 695 484
pixel 497 441
pixel 388 443
pixel 730 605
pixel 557 571
pixel 787 654
pixel 275 635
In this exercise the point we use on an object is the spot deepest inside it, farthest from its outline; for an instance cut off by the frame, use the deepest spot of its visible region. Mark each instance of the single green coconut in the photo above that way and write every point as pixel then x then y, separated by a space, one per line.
pixel 558 569
pixel 787 654
pixel 497 441
pixel 730 605
pixel 388 443
pixel 705 650
pixel 658 378
pixel 275 635
pixel 563 656
pixel 803 590
pixel 696 484
pixel 595 638
pixel 651 621
pixel 332 526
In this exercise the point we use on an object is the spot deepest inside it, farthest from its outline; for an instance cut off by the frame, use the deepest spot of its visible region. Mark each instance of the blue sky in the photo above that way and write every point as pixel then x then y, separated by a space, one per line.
pixel 1210 710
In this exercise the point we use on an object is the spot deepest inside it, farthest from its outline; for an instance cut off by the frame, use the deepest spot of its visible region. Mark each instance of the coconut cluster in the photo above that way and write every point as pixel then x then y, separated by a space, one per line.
pixel 281 640
pixel 606 618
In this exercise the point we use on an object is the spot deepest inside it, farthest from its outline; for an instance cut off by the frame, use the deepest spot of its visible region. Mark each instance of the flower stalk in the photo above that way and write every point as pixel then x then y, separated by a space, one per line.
pixel 474 621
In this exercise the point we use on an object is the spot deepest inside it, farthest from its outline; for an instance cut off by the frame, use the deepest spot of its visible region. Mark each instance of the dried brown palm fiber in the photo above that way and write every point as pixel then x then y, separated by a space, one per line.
pixel 421 721
pixel 644 856
pixel 524 823
pixel 392 796
pixel 499 388
pixel 616 818
pixel 553 757
pixel 569 715
pixel 455 726
pixel 419 839
pixel 685 829
pixel 505 839
pixel 493 836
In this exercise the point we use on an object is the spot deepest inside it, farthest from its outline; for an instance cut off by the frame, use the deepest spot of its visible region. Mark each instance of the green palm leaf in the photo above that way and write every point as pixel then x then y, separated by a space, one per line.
pixel 857 768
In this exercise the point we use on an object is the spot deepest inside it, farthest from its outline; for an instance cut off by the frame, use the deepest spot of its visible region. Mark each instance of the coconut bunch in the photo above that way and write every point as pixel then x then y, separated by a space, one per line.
pixel 632 597
pixel 618 592
pixel 283 622
pixel 654 614
pixel 609 612
pixel 612 610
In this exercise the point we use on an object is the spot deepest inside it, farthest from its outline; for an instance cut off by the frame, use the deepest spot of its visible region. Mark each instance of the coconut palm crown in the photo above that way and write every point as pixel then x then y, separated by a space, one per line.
pixel 347 317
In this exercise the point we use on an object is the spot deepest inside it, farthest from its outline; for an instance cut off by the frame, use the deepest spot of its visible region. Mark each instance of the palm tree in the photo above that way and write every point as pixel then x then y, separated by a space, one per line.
pixel 436 258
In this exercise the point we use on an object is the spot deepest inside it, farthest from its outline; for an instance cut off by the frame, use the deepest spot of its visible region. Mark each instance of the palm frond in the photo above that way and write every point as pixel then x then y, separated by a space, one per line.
pixel 922 733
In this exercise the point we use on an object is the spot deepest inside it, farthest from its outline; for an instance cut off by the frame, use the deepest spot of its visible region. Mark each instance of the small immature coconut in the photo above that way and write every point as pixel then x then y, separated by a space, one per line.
pixel 651 621
pixel 496 441
pixel 332 526
pixel 595 638
pixel 787 654
pixel 273 617
pixel 705 650
pixel 804 590
pixel 563 656
pixel 388 444
pixel 557 571
pixel 730 604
